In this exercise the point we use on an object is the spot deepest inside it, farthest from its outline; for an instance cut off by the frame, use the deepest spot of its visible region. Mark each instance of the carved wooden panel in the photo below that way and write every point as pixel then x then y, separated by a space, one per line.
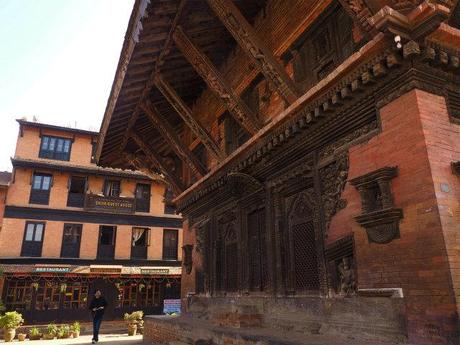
pixel 379 216
pixel 257 253
pixel 323 47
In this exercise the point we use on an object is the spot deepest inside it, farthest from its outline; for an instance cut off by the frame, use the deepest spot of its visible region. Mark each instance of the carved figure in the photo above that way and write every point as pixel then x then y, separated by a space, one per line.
pixel 347 277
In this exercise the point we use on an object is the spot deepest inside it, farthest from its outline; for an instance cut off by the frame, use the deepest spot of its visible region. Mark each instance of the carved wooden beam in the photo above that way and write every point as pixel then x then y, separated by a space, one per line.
pixel 149 84
pixel 156 160
pixel 216 82
pixel 168 133
pixel 186 114
pixel 249 41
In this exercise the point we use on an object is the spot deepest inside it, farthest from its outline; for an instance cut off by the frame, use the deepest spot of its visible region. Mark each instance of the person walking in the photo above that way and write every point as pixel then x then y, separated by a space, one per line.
pixel 97 308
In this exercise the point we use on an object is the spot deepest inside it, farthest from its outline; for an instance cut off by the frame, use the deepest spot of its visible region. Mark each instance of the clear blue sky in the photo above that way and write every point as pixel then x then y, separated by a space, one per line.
pixel 57 62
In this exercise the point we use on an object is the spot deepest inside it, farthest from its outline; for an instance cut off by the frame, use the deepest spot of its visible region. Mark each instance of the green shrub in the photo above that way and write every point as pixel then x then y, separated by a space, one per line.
pixel 52 329
pixel 75 327
pixel 34 331
pixel 11 320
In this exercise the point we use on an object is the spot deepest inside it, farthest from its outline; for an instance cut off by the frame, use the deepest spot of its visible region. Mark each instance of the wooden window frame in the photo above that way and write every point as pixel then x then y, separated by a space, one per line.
pixel 23 250
pixel 45 193
pixel 177 246
pixel 111 180
pixel 79 241
pixel 53 154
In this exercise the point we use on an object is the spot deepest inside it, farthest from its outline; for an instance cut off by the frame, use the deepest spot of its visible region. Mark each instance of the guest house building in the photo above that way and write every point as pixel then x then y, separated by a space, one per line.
pixel 314 146
pixel 70 227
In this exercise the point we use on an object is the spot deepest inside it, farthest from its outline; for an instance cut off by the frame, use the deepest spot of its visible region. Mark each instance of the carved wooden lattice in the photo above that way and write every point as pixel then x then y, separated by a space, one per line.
pixel 303 251
pixel 306 263
pixel 257 251
pixel 226 258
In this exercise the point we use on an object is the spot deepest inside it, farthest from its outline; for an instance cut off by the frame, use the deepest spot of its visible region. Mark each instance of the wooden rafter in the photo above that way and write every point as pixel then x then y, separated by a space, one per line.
pixel 216 82
pixel 170 136
pixel 156 160
pixel 150 82
pixel 186 114
pixel 249 41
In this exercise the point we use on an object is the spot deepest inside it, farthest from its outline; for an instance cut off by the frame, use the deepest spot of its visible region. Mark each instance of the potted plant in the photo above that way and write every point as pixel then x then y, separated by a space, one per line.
pixel 34 334
pixel 137 316
pixel 132 325
pixel 63 332
pixel 75 329
pixel 10 322
pixel 51 331
pixel 21 335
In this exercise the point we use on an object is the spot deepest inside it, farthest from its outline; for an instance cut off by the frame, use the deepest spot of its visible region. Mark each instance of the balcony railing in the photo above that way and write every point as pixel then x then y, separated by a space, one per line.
pixel 94 202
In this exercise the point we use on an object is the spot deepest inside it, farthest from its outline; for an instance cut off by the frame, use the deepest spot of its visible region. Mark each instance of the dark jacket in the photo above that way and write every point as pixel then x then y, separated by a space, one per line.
pixel 97 303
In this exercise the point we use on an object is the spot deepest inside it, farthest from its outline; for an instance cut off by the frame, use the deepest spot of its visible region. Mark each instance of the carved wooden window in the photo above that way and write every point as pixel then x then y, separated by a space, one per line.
pixel 453 106
pixel 234 134
pixel 303 253
pixel 200 153
pixel 257 252
pixel 324 47
pixel 226 259
pixel 379 216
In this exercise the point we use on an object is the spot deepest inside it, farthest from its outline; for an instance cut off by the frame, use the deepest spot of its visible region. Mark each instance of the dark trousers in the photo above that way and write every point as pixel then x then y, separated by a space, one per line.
pixel 96 325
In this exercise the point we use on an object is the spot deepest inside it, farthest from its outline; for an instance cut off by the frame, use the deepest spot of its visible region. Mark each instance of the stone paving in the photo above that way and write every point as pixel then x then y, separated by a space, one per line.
pixel 106 339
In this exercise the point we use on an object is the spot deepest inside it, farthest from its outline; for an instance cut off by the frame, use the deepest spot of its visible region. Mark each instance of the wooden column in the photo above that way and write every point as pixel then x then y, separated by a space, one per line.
pixel 156 160
pixel 168 133
pixel 216 82
pixel 186 114
pixel 249 41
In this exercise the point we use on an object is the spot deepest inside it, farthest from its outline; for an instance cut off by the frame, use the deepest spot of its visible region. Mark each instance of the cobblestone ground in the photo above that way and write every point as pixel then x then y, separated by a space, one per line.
pixel 106 339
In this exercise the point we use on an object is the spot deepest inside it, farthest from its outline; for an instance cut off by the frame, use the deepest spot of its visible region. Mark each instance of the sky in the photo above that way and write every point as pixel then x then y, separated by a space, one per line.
pixel 57 62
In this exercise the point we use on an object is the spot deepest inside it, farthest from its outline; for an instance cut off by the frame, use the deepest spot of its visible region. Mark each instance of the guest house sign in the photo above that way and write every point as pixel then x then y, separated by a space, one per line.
pixel 110 204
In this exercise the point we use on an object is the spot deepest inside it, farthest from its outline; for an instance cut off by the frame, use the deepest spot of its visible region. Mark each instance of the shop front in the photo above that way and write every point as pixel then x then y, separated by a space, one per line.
pixel 44 294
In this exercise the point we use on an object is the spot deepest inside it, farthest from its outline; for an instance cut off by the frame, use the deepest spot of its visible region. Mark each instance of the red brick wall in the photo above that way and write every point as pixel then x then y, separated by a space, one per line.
pixel 417 261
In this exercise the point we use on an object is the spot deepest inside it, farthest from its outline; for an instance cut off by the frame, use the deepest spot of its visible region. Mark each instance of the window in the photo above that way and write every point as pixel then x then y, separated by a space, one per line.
pixel 200 153
pixel 169 206
pixel 55 148
pixel 48 296
pixel 93 151
pixel 71 239
pixel 170 239
pixel 143 197
pixel 107 236
pixel 41 185
pixel 77 191
pixel 139 242
pixel 112 188
pixel 145 294
pixel 33 239
pixel 76 295
pixel 18 294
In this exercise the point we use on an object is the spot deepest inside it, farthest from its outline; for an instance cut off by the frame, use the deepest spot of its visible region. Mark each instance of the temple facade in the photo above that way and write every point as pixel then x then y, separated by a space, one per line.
pixel 313 149
pixel 70 227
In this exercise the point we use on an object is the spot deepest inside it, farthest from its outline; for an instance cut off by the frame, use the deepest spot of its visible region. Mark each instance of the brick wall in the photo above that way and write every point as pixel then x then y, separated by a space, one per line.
pixel 418 261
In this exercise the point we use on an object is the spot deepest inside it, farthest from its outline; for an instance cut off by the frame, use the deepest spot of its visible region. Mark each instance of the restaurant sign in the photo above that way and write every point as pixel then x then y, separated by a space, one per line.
pixel 102 203
pixel 154 271
pixel 52 269
pixel 105 270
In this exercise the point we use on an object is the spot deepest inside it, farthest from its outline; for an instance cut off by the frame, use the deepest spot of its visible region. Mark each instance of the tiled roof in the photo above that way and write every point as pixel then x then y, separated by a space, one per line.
pixel 5 178
pixel 89 169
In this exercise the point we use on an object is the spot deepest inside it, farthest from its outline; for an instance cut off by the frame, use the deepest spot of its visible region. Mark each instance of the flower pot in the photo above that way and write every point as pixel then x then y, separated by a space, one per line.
pixel 35 336
pixel 48 336
pixel 140 329
pixel 132 329
pixel 8 334
pixel 75 334
pixel 22 336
